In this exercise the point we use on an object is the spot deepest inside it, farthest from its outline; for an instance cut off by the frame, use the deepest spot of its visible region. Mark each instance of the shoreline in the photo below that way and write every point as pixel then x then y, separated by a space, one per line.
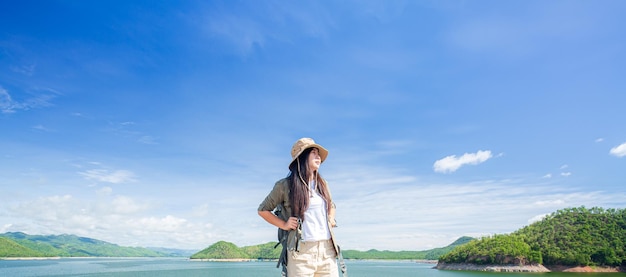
pixel 527 268
pixel 28 258
pixel 227 260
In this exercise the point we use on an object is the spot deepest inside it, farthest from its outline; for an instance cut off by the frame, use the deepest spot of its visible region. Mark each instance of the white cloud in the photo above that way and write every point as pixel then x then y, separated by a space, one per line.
pixel 537 218
pixel 51 208
pixel 599 139
pixel 566 174
pixel 166 224
pixel 564 166
pixel 452 163
pixel 5 228
pixel 104 175
pixel 619 151
pixel 547 176
pixel 550 202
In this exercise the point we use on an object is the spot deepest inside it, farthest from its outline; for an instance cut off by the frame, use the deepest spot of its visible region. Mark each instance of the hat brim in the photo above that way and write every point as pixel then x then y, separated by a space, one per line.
pixel 323 152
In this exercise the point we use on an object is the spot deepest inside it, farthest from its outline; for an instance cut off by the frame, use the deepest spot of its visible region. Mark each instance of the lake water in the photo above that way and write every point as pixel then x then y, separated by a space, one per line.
pixel 169 267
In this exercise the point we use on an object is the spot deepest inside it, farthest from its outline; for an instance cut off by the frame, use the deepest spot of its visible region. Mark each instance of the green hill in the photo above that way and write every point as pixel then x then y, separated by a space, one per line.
pixel 72 246
pixel 221 250
pixel 435 253
pixel 11 249
pixel 571 237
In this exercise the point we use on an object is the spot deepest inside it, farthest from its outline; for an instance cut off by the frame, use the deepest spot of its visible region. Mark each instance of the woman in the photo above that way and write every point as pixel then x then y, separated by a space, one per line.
pixel 306 212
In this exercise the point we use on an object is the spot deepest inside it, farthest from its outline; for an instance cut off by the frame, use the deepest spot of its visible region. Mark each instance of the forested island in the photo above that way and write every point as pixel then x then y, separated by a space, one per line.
pixel 576 239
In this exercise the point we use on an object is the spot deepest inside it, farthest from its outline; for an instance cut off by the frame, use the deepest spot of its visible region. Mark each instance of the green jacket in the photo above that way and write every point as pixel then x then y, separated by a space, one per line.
pixel 280 196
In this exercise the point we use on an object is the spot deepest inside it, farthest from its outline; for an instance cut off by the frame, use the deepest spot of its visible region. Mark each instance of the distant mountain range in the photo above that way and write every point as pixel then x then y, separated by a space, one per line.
pixel 17 244
pixel 432 254
pixel 227 250
pixel 21 245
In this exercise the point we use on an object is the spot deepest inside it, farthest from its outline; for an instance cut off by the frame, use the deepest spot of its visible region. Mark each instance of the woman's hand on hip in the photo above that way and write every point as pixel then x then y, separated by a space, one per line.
pixel 290 224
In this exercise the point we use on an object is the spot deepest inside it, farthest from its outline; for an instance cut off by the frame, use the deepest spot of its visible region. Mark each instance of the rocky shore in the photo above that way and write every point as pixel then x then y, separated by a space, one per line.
pixel 525 268
pixel 493 268
pixel 560 268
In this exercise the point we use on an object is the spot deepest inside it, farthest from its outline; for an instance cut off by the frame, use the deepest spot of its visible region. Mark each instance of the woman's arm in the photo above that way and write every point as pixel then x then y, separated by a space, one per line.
pixel 290 224
pixel 331 215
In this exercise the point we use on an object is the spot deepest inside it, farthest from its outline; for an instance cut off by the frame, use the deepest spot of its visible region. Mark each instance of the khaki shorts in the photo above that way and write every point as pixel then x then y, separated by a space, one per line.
pixel 315 259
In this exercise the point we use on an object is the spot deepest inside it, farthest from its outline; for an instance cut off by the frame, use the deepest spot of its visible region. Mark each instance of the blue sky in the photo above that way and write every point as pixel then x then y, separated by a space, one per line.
pixel 165 123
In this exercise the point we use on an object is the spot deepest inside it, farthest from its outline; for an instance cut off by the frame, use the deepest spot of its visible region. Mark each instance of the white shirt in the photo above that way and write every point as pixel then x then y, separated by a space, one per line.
pixel 315 224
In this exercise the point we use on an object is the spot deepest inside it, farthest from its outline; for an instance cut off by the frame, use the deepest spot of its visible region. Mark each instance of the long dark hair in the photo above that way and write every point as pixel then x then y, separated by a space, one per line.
pixel 298 187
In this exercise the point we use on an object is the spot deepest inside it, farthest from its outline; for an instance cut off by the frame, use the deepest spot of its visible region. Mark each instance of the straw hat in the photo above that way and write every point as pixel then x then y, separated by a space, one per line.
pixel 305 143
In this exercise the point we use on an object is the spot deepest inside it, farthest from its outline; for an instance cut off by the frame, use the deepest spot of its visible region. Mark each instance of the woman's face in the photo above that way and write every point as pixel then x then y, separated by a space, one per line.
pixel 314 160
